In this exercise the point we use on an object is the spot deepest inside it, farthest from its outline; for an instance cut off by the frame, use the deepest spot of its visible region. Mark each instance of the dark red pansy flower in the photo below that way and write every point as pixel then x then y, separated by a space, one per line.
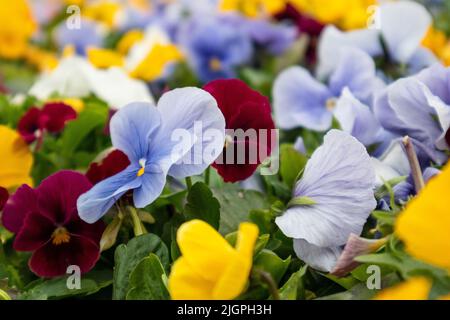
pixel 52 118
pixel 245 109
pixel 46 222
pixel 306 25
pixel 115 162
pixel 4 195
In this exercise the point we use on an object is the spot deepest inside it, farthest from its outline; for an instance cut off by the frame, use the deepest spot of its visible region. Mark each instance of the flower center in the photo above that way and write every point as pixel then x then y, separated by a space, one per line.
pixel 215 64
pixel 142 169
pixel 331 104
pixel 60 235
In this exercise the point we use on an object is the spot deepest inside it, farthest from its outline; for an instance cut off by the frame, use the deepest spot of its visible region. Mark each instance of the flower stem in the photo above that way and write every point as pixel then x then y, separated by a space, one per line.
pixel 138 228
pixel 207 175
pixel 189 183
pixel 268 280
pixel 416 171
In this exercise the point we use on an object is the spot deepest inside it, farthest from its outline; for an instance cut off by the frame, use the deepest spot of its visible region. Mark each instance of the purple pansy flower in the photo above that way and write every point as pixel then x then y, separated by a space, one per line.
pixel 332 200
pixel 215 48
pixel 419 106
pixel 146 135
pixel 302 101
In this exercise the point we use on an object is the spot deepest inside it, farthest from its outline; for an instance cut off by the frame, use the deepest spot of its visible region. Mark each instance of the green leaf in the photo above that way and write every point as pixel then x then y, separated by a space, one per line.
pixel 76 131
pixel 202 205
pixel 270 262
pixel 404 264
pixel 128 256
pixel 236 205
pixel 291 164
pixel 147 281
pixel 57 288
pixel 294 287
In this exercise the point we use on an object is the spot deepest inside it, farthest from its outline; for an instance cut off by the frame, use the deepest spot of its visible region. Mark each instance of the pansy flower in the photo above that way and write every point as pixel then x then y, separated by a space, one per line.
pixel 46 223
pixel 16 159
pixel 215 49
pixel 180 138
pixel 51 118
pixel 419 106
pixel 400 24
pixel 332 200
pixel 416 288
pixel 114 162
pixel 247 110
pixel 425 223
pixel 302 101
pixel 75 77
pixel 210 268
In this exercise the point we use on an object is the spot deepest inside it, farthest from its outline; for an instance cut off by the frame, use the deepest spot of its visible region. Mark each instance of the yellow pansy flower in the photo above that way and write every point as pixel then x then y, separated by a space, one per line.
pixel 253 8
pixel 437 42
pixel 104 58
pixel 346 14
pixel 128 40
pixel 15 159
pixel 417 288
pixel 103 11
pixel 424 225
pixel 154 64
pixel 41 59
pixel 210 268
pixel 16 28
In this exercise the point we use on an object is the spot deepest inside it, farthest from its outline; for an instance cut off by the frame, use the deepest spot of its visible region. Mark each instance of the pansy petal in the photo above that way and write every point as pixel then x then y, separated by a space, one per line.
pixel 52 260
pixel 151 188
pixel 195 112
pixel 300 101
pixel 357 119
pixel 93 204
pixel 17 159
pixel 132 128
pixel 204 249
pixel 18 206
pixel 186 284
pixel 37 230
pixel 403 26
pixel 320 258
pixel 356 71
pixel 332 40
pixel 57 195
pixel 340 178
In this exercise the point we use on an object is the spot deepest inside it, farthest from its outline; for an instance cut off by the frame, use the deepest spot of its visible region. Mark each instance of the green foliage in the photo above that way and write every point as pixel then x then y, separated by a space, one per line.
pixel 202 205
pixel 128 256
pixel 148 280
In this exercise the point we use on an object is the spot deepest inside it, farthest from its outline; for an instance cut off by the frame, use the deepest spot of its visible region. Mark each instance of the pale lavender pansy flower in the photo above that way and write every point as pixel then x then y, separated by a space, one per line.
pixel 401 25
pixel 419 106
pixel 302 101
pixel 332 200
pixel 146 135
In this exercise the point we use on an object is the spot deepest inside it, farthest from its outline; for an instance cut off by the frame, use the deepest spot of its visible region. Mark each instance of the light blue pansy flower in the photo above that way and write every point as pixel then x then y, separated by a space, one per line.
pixel 401 24
pixel 151 138
pixel 302 101
pixel 336 190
